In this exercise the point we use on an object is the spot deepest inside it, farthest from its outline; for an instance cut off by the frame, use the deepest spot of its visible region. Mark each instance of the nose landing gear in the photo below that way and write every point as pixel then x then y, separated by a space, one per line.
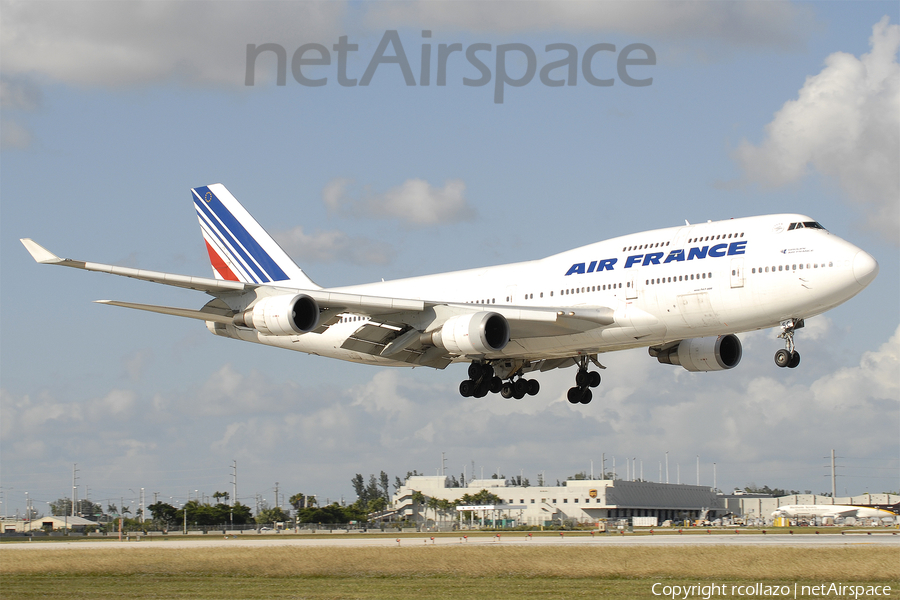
pixel 788 356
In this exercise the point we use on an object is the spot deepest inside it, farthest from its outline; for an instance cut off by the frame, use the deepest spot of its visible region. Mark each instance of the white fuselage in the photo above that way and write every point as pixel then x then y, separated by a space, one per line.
pixel 664 285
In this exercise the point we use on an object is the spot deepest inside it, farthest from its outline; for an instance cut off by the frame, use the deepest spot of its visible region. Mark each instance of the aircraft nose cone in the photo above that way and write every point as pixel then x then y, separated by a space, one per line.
pixel 865 268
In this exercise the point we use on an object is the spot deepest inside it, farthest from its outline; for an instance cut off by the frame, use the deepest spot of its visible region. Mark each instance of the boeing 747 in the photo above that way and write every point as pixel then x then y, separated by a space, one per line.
pixel 682 292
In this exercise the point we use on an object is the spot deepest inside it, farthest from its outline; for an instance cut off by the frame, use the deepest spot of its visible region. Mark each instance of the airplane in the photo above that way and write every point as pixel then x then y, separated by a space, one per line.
pixel 832 510
pixel 682 292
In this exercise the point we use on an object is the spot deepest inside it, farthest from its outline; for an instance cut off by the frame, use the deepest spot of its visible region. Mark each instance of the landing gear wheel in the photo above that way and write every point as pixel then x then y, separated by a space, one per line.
pixel 467 388
pixel 783 358
pixel 506 390
pixel 534 387
pixel 582 378
pixel 789 357
pixel 574 395
pixel 496 384
pixel 594 379
pixel 479 370
pixel 520 388
pixel 586 396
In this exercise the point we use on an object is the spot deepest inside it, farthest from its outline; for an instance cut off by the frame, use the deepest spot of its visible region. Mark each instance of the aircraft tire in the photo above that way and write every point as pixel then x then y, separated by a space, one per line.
pixel 466 388
pixel 496 384
pixel 506 391
pixel 520 388
pixel 795 360
pixel 782 358
pixel 534 386
pixel 574 395
pixel 594 379
pixel 586 396
pixel 582 378
pixel 475 371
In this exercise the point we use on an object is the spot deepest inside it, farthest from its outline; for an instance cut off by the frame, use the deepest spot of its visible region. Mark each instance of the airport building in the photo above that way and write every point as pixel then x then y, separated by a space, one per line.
pixel 48 524
pixel 593 500
pixel 577 501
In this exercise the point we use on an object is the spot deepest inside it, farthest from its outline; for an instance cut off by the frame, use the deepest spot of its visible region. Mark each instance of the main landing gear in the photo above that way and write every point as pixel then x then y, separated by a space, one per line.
pixel 483 380
pixel 584 381
pixel 788 356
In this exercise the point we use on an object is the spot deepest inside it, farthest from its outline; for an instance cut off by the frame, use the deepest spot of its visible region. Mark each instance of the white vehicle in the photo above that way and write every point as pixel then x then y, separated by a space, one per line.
pixel 831 510
pixel 682 292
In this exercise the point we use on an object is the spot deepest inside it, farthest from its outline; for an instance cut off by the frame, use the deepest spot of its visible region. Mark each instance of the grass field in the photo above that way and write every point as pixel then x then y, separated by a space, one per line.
pixel 422 572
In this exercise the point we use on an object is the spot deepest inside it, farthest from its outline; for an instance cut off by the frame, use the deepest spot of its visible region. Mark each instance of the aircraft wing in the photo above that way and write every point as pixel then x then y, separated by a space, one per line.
pixel 203 284
pixel 843 511
pixel 370 305
pixel 396 326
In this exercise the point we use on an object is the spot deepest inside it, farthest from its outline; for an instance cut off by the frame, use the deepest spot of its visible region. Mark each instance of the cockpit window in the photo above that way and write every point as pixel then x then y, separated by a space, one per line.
pixel 806 225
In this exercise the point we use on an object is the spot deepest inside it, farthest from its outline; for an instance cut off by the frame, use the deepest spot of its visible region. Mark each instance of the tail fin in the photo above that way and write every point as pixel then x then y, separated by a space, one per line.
pixel 239 248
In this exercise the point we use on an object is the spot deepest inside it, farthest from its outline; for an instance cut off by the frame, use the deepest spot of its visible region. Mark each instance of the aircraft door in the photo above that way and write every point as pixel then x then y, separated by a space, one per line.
pixel 737 272
pixel 631 289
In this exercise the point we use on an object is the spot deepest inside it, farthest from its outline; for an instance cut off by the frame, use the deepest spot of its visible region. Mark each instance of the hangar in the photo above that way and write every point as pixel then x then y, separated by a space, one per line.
pixel 51 523
pixel 580 501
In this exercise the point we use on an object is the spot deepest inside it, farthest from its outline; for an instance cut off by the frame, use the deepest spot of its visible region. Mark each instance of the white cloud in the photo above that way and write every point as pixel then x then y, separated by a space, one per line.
pixel 135 43
pixel 758 422
pixel 415 202
pixel 14 136
pixel 18 93
pixel 844 124
pixel 864 387
pixel 333 246
pixel 766 24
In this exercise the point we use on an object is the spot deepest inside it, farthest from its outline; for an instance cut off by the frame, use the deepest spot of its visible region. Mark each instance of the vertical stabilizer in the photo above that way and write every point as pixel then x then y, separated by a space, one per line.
pixel 239 248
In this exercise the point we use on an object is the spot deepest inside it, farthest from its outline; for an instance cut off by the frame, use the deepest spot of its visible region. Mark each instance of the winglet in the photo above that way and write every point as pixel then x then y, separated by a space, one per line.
pixel 39 253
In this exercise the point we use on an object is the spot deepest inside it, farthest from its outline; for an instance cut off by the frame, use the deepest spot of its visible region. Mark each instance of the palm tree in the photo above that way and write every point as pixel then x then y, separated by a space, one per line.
pixel 445 506
pixel 417 498
pixel 433 505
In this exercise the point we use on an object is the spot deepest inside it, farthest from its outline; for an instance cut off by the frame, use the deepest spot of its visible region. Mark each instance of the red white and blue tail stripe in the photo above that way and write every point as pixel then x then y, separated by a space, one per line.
pixel 239 248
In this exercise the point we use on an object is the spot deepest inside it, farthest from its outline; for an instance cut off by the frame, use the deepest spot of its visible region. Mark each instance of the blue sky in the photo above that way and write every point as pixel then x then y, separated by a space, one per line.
pixel 112 111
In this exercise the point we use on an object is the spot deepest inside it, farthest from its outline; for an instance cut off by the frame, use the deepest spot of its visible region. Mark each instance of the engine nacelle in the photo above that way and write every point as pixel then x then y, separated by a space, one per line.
pixel 704 354
pixel 473 334
pixel 281 315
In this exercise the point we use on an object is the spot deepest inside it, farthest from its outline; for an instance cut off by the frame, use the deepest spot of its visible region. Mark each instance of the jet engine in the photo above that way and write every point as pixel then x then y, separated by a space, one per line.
pixel 281 315
pixel 703 354
pixel 472 334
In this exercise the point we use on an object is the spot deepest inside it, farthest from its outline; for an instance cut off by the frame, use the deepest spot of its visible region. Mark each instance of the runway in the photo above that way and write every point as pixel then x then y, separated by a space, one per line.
pixel 805 540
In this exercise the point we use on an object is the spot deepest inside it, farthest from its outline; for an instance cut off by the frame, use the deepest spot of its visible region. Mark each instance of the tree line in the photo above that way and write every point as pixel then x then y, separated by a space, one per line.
pixel 373 496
